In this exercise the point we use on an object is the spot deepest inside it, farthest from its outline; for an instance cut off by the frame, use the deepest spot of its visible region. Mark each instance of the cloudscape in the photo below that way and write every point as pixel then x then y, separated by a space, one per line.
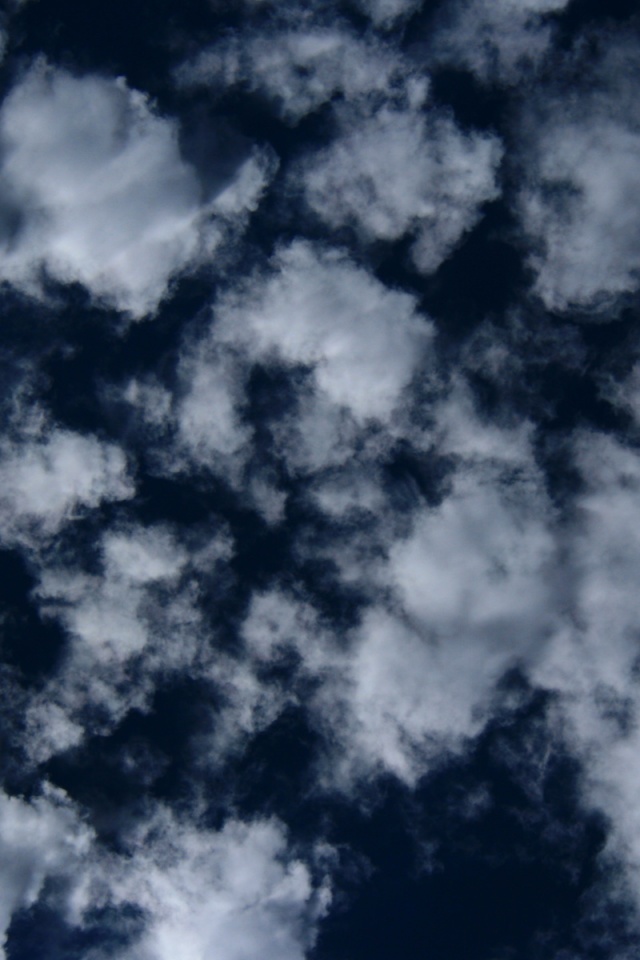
pixel 320 480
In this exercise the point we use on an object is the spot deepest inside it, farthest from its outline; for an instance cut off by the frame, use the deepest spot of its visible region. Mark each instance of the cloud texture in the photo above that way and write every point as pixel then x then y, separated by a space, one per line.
pixel 348 524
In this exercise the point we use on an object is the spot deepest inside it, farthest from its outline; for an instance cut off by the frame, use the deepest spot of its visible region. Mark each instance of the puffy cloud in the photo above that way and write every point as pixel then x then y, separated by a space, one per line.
pixel 591 663
pixel 93 190
pixel 452 599
pixel 473 599
pixel 400 171
pixel 209 414
pixel 239 892
pixel 38 840
pixel 468 579
pixel 578 206
pixel 499 40
pixel 301 68
pixel 49 476
pixel 318 310
pixel 136 617
pixel 333 330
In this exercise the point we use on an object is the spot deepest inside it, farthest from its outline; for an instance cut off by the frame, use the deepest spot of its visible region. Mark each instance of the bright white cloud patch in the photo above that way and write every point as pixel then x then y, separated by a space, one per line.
pixel 583 211
pixel 93 190
pixel 239 892
pixel 334 329
pixel 236 894
pixel 472 581
pixel 318 310
pixel 592 661
pixel 399 172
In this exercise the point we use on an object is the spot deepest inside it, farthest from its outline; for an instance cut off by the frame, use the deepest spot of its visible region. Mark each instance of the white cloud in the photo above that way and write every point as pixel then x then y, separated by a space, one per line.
pixel 579 207
pixel 137 617
pixel 461 597
pixel 238 893
pixel 592 661
pixel 581 210
pixel 38 840
pixel 241 891
pixel 209 414
pixel 94 191
pixel 472 600
pixel 299 69
pixel 335 330
pixel 499 40
pixel 473 569
pixel 49 476
pixel 318 310
pixel 460 431
pixel 400 171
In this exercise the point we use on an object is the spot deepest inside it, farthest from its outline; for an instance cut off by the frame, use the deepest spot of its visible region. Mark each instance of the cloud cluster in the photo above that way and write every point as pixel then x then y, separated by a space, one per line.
pixel 50 475
pixel 324 491
pixel 132 623
pixel 498 40
pixel 94 190
pixel 326 323
pixel 577 203
pixel 38 840
pixel 298 69
pixel 240 891
pixel 400 172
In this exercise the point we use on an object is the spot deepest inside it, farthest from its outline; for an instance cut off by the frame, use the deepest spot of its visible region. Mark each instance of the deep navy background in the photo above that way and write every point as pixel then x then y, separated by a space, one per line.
pixel 422 875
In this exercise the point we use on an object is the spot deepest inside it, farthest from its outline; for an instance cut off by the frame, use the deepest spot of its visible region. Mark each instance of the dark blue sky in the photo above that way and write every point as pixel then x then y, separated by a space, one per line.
pixel 319 480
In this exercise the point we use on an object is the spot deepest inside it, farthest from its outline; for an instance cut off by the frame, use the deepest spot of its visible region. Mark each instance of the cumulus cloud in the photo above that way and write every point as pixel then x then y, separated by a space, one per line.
pixel 457 595
pixel 386 13
pixel 332 329
pixel 300 69
pixel 399 172
pixel 498 40
pixel 592 661
pixel 240 891
pixel 400 548
pixel 473 600
pixel 38 840
pixel 93 190
pixel 136 617
pixel 580 157
pixel 318 310
pixel 49 476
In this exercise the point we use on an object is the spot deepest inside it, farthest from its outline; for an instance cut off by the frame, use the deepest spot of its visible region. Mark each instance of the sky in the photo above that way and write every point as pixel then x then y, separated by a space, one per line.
pixel 319 480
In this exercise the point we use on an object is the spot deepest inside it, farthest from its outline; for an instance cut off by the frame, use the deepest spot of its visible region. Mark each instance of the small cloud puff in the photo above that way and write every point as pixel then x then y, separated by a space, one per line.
pixel 299 69
pixel 498 40
pixel 49 477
